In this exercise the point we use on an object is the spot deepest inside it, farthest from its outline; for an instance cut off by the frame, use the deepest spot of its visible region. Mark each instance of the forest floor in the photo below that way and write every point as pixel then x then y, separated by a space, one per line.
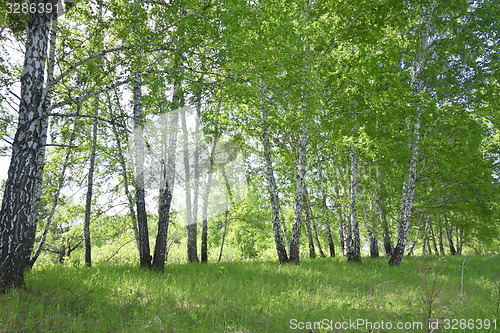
pixel 321 295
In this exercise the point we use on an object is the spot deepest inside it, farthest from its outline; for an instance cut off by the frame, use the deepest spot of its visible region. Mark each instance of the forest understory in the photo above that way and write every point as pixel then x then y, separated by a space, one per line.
pixel 249 166
pixel 260 296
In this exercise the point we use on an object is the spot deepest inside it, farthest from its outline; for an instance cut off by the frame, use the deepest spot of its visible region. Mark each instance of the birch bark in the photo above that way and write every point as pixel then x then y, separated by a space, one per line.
pixel 165 195
pixel 26 149
pixel 196 189
pixel 90 185
pixel 325 209
pixel 410 183
pixel 204 214
pixel 271 187
pixel 341 216
pixel 37 192
pixel 307 222
pixel 191 227
pixel 299 196
pixel 353 242
pixel 312 220
pixel 140 200
pixel 370 228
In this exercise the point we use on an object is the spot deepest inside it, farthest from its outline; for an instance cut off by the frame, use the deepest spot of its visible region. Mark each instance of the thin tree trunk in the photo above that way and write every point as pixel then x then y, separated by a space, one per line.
pixel 123 166
pixel 387 244
pixel 342 236
pixel 312 251
pixel 412 247
pixel 316 237
pixel 165 195
pixel 196 189
pixel 60 185
pixel 130 199
pixel 331 246
pixel 411 178
pixel 374 249
pixel 386 235
pixel 229 198
pixel 348 224
pixel 140 195
pixel 27 146
pixel 272 188
pixel 433 239
pixel 313 223
pixel 460 241
pixel 407 199
pixel 165 199
pixel 299 196
pixel 353 245
pixel 37 192
pixel 286 237
pixel 90 185
pixel 372 235
pixel 191 227
pixel 441 246
pixel 223 234
pixel 325 209
pixel 449 235
pixel 204 232
pixel 425 242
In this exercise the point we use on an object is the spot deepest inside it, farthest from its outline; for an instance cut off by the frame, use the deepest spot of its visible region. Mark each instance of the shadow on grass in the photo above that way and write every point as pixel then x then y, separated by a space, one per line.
pixel 246 296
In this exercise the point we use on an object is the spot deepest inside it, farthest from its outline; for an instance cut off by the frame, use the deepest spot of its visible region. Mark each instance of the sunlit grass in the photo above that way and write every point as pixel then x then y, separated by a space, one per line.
pixel 244 296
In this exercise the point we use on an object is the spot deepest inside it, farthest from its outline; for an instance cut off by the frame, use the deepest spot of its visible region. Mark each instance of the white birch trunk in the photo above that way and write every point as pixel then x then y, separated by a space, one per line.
pixel 354 245
pixel 325 209
pixel 37 192
pixel 165 196
pixel 90 185
pixel 341 216
pixel 191 228
pixel 272 188
pixel 411 178
pixel 140 200
pixel 204 232
pixel 299 196
pixel 27 146
pixel 196 189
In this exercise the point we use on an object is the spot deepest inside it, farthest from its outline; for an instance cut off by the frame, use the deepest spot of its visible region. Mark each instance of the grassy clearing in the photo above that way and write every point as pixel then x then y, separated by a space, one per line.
pixel 248 296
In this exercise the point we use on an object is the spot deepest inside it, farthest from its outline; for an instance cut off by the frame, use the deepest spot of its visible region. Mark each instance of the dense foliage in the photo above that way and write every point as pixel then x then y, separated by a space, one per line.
pixel 361 124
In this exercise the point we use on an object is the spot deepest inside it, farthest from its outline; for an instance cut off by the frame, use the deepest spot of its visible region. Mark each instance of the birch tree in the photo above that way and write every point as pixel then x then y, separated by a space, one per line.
pixel 140 197
pixel 271 187
pixel 90 184
pixel 26 149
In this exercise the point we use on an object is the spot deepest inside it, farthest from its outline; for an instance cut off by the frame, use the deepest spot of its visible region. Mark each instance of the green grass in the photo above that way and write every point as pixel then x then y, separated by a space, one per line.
pixel 247 296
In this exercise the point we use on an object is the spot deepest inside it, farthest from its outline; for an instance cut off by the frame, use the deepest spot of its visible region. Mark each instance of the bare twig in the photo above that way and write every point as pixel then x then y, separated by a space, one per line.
pixel 461 297
pixel 117 250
